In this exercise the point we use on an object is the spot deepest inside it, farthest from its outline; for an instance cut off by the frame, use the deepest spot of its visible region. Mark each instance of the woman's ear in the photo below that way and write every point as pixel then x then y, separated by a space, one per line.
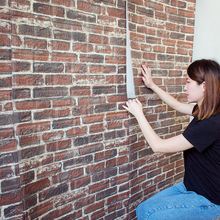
pixel 203 85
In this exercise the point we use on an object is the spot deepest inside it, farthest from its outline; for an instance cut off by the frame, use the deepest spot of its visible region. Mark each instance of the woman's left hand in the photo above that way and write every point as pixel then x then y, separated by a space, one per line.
pixel 134 107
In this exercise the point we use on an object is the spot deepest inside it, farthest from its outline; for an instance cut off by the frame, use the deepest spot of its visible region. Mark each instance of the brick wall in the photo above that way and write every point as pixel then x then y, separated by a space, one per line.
pixel 68 149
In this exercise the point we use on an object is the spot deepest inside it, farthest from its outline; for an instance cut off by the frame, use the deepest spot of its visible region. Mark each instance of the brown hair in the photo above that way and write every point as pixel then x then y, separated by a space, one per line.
pixel 207 71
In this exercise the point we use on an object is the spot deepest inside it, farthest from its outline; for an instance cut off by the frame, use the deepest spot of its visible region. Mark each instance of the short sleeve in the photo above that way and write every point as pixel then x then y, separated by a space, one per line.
pixel 202 134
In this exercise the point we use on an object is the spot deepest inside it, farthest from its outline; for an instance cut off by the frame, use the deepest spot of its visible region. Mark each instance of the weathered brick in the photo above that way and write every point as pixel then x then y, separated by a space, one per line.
pixel 91 148
pixel 8 145
pixel 30 128
pixel 6 82
pixel 48 67
pixel 34 31
pixel 48 10
pixel 80 91
pixel 23 54
pixel 21 93
pixel 8 158
pixel 92 58
pixel 68 175
pixel 76 131
pixel 5 95
pixel 5 54
pixel 50 92
pixel 81 16
pixel 80 182
pixel 21 66
pixel 31 152
pixel 63 123
pixel 28 80
pixel 5 68
pixel 35 43
pixel 60 145
pixel 10 185
pixel 29 140
pixel 14 210
pixel 40 209
pixel 58 212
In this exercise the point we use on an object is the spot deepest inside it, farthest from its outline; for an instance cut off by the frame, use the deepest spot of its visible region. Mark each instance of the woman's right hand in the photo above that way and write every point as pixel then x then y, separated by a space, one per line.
pixel 147 78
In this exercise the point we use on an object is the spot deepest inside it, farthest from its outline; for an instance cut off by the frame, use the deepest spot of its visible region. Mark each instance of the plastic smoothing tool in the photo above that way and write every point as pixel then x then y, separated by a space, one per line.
pixel 129 72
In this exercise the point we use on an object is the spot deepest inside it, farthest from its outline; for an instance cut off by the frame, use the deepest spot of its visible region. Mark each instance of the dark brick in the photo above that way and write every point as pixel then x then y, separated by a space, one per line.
pixel 34 31
pixel 54 191
pixel 81 16
pixel 50 92
pixel 48 67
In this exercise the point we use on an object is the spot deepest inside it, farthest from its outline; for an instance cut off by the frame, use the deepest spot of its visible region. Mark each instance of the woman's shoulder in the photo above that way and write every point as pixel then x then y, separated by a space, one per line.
pixel 214 120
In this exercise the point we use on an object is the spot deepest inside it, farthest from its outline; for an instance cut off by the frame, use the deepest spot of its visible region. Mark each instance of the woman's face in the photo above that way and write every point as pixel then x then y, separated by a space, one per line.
pixel 194 91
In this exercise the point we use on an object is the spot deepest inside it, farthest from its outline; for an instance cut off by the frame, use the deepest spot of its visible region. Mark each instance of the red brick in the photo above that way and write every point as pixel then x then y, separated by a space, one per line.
pixel 80 91
pixel 59 145
pixel 29 140
pixel 23 54
pixel 98 39
pixel 58 80
pixel 40 209
pixel 28 80
pixel 67 3
pixel 84 202
pixel 35 43
pixel 113 12
pixel 5 40
pixel 94 207
pixel 6 172
pixel 19 4
pixel 58 212
pixel 64 57
pixel 63 102
pixel 82 47
pixel 76 131
pixel 6 82
pixel 63 123
pixel 76 68
pixel 35 186
pixel 8 198
pixel 5 95
pixel 60 45
pixel 8 145
pixel 186 13
pixel 5 68
pixel 80 182
pixel 88 7
pixel 51 136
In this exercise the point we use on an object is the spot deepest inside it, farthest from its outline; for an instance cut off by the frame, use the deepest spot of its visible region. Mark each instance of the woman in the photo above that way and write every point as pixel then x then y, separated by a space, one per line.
pixel 198 196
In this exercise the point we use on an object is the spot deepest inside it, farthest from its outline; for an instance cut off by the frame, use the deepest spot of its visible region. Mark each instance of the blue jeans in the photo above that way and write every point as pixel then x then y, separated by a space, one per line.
pixel 176 203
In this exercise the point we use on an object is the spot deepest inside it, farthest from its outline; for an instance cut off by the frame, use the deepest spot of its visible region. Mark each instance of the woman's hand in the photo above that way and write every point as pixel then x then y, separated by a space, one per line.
pixel 147 78
pixel 134 107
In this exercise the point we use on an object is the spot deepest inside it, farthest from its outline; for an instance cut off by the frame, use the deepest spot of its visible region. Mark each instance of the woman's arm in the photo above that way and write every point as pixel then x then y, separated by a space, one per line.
pixel 170 145
pixel 167 98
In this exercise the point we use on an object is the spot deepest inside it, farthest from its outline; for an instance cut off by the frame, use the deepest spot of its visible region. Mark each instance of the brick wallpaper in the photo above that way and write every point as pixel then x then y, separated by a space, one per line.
pixel 68 150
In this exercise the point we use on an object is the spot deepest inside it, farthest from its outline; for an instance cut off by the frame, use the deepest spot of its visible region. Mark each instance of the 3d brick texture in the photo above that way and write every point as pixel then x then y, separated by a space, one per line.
pixel 68 150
